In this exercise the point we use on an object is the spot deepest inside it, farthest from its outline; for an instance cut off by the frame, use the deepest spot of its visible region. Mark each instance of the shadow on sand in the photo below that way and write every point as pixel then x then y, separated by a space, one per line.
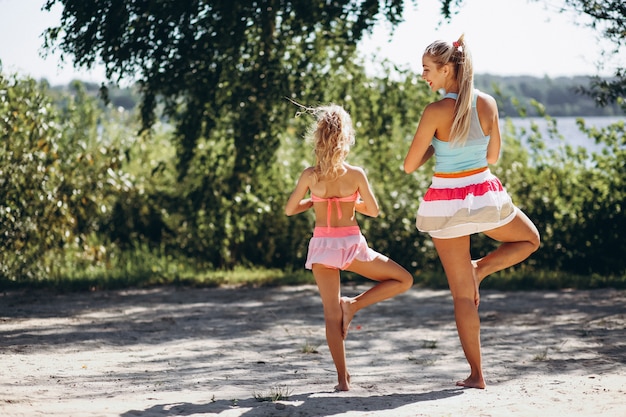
pixel 315 404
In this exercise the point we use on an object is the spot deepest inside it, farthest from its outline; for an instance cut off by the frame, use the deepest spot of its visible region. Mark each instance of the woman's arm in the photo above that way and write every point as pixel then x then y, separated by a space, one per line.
pixel 421 148
pixel 495 141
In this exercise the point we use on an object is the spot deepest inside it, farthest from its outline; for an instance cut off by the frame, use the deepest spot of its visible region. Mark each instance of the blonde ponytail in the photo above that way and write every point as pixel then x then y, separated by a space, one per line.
pixel 457 54
pixel 464 72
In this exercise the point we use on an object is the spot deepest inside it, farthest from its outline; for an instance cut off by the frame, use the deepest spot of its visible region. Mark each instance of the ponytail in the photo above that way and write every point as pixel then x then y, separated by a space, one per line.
pixel 457 54
pixel 464 72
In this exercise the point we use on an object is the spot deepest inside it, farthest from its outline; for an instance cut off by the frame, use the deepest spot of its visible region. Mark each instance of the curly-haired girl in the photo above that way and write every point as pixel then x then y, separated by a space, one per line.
pixel 338 190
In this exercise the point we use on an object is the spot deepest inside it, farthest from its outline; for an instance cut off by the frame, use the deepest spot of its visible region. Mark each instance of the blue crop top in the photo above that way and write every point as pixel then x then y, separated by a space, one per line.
pixel 472 155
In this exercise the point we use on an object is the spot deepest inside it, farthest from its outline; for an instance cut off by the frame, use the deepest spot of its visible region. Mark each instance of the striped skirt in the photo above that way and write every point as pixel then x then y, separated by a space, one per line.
pixel 454 207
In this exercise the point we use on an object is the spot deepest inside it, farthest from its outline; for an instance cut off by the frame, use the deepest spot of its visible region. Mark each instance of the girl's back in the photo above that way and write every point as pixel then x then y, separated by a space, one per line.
pixel 334 200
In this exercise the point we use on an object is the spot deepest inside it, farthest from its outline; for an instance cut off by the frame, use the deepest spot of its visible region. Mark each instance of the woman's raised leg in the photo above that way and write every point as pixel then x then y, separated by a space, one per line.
pixel 520 238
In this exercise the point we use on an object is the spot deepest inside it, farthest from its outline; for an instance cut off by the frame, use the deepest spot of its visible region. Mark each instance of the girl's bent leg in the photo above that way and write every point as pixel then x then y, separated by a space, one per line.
pixel 328 282
pixel 457 264
pixel 392 279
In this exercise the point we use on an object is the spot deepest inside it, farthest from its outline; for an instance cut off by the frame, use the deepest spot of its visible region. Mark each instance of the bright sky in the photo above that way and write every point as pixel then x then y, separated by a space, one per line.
pixel 507 37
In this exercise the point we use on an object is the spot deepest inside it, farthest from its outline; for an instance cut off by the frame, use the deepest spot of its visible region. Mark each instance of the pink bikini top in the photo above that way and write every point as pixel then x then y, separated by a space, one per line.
pixel 336 200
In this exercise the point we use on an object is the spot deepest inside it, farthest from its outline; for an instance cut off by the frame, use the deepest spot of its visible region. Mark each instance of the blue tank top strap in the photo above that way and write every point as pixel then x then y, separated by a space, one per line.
pixel 456 96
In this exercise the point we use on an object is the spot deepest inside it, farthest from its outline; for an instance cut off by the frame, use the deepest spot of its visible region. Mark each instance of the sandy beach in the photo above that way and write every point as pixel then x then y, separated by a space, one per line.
pixel 172 351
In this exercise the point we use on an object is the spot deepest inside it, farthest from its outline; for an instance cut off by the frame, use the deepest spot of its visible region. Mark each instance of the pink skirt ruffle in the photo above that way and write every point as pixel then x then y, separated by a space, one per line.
pixel 338 247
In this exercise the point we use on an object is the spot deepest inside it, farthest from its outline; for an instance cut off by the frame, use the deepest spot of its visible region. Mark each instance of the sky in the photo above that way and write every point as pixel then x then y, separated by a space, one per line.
pixel 506 37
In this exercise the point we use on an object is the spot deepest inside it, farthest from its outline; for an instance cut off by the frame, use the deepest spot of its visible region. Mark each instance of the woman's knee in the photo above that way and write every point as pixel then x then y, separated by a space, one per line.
pixel 333 314
pixel 461 288
pixel 406 279
pixel 535 241
pixel 463 300
pixel 532 233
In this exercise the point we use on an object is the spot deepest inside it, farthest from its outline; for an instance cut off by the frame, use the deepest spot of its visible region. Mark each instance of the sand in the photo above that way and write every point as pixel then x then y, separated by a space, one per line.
pixel 172 351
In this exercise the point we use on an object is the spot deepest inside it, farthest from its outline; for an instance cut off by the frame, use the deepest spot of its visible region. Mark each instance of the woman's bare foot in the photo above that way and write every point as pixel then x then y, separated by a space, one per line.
pixel 343 385
pixel 348 314
pixel 470 382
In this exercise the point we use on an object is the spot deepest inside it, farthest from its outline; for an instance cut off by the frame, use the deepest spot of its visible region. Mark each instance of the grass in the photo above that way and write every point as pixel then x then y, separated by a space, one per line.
pixel 429 344
pixel 524 279
pixel 541 357
pixel 309 348
pixel 143 268
pixel 274 394
pixel 422 361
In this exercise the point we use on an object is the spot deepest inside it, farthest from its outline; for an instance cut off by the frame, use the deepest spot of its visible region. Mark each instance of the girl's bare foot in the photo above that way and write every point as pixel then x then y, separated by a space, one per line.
pixel 348 314
pixel 470 382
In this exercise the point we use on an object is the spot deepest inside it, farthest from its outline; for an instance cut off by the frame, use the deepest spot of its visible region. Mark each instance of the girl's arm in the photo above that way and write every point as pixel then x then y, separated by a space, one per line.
pixel 368 204
pixel 297 203
pixel 421 148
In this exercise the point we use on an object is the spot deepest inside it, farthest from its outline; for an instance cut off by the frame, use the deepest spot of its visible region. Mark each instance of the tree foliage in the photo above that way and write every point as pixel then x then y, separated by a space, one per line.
pixel 558 95
pixel 608 17
pixel 209 59
pixel 58 179
pixel 211 182
pixel 85 190
pixel 221 70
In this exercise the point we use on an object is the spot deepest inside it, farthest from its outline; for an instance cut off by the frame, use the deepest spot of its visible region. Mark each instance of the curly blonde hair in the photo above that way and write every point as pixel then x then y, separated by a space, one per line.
pixel 332 135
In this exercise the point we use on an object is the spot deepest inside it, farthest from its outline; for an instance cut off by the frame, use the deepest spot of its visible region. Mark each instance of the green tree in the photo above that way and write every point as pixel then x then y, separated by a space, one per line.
pixel 221 70
pixel 608 17
pixel 206 59
pixel 59 176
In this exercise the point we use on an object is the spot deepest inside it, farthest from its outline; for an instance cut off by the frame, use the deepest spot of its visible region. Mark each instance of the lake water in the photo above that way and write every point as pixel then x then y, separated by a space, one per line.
pixel 567 127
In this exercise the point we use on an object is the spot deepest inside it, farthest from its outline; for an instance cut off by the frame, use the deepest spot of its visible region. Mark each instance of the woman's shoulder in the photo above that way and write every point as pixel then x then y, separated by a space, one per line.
pixel 485 103
pixel 485 98
pixel 440 107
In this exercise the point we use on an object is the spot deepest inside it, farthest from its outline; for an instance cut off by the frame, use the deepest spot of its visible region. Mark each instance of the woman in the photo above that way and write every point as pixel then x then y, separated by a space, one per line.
pixel 461 130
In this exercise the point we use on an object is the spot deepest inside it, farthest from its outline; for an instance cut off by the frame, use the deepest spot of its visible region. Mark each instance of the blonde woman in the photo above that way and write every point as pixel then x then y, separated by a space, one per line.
pixel 338 190
pixel 461 130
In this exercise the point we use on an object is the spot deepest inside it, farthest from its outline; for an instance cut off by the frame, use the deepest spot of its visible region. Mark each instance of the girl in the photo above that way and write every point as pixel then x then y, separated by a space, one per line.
pixel 338 190
pixel 462 131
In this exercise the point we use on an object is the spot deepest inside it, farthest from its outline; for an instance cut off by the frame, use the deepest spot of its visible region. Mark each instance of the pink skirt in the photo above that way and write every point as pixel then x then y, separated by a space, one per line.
pixel 454 207
pixel 338 247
